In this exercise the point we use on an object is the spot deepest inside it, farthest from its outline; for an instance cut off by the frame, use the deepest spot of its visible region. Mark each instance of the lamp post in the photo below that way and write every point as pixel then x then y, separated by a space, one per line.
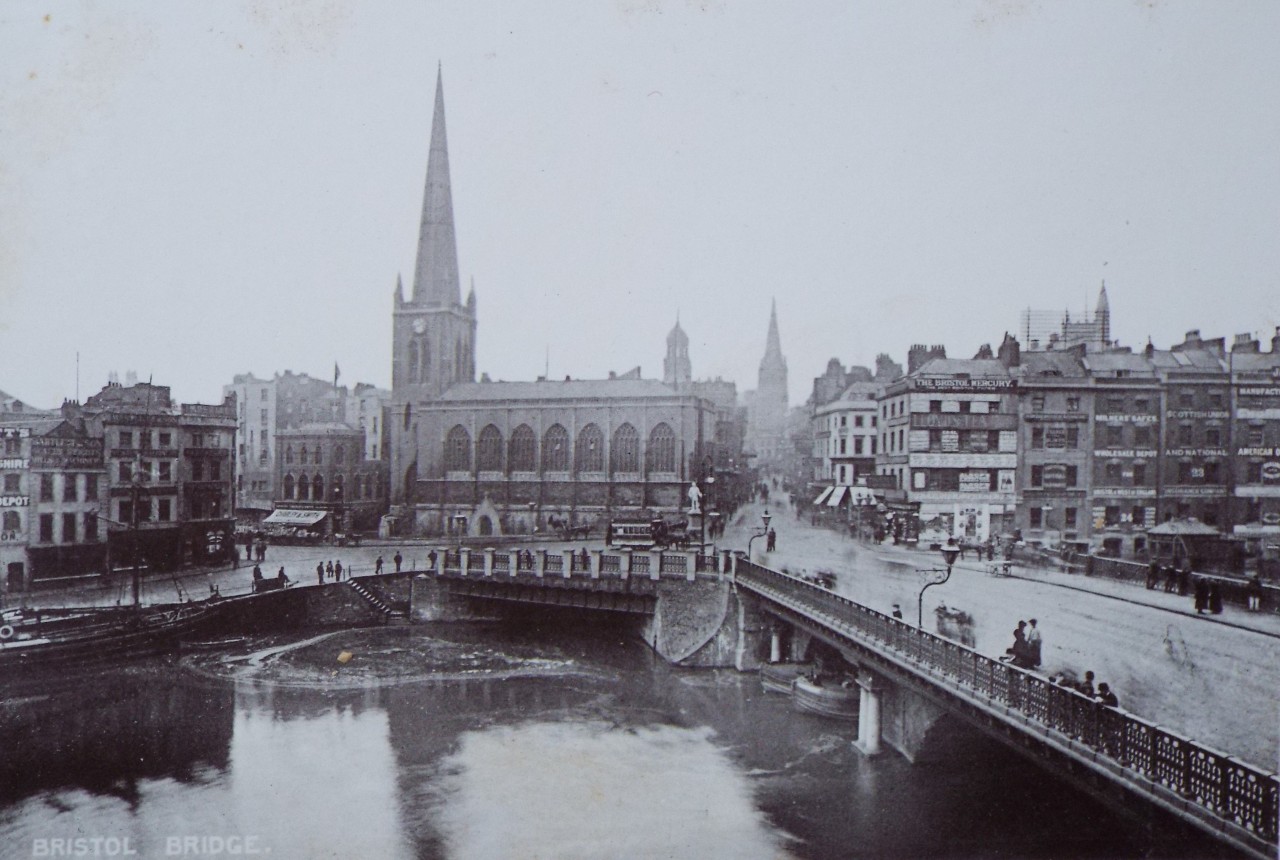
pixel 949 553
pixel 764 530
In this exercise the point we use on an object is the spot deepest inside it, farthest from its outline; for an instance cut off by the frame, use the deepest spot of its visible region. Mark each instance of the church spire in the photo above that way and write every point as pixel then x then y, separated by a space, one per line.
pixel 773 346
pixel 435 280
pixel 1103 315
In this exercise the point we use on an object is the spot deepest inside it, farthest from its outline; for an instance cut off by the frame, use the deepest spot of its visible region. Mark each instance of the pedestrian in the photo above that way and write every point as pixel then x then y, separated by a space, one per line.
pixel 399 558
pixel 337 571
pixel 320 573
pixel 1153 573
pixel 1018 651
pixel 328 568
pixel 1170 579
pixel 1034 643
pixel 1215 599
pixel 897 612
pixel 1254 592
pixel 1184 580
pixel 1086 686
pixel 284 580
pixel 771 541
pixel 1106 697
pixel 431 560
pixel 1201 595
pixel 377 566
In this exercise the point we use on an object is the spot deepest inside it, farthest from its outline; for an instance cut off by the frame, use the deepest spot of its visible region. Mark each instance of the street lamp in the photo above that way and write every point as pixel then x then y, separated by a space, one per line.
pixel 764 530
pixel 949 553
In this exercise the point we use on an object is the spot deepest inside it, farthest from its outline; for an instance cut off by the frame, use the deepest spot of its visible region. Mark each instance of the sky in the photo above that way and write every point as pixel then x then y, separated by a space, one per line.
pixel 192 191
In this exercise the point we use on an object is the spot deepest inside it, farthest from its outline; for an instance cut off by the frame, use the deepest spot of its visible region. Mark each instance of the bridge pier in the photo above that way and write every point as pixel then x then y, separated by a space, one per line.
pixel 870 688
pixel 775 645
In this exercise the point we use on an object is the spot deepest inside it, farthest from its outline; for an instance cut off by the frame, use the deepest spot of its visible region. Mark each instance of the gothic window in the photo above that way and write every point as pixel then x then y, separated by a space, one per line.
pixel 457 450
pixel 338 487
pixel 489 449
pixel 522 455
pixel 624 456
pixel 589 456
pixel 316 456
pixel 340 454
pixel 288 454
pixel 288 486
pixel 555 449
pixel 413 361
pixel 662 449
pixel 304 488
pixel 317 488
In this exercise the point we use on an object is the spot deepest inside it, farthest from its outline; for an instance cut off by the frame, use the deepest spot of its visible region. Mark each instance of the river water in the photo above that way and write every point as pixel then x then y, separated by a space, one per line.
pixel 526 744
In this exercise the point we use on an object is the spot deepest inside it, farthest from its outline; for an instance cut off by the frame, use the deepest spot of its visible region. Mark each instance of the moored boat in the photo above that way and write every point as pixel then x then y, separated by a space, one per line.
pixel 779 677
pixel 827 697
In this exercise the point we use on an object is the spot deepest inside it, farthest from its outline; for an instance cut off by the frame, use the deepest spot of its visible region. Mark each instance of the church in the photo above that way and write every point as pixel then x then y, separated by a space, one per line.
pixel 493 458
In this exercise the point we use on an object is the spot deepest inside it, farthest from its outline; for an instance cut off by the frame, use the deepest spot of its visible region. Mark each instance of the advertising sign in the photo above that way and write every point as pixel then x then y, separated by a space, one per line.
pixel 53 452
pixel 14 432
pixel 1055 476
pixel 15 463
pixel 1004 480
pixel 14 501
pixel 930 384
pixel 1271 472
pixel 975 482
pixel 1008 440
pixel 950 440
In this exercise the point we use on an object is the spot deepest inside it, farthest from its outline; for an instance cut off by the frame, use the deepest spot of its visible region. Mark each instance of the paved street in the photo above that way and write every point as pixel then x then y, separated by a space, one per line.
pixel 1211 678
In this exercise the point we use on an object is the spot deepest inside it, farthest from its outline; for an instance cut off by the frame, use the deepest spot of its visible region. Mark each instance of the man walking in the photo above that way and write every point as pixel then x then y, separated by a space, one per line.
pixel 320 573
pixel 1033 644
pixel 377 565
pixel 397 559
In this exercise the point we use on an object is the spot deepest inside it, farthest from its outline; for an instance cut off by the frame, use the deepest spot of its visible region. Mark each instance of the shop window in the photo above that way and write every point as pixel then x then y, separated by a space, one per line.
pixel 1112 547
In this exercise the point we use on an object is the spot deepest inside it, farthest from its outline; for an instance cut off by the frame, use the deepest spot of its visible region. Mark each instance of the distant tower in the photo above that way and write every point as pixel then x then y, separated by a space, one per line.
pixel 1102 316
pixel 769 406
pixel 676 369
pixel 433 332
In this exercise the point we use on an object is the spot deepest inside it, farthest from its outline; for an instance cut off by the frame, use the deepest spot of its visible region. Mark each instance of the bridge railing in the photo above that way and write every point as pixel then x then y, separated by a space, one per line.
pixel 1219 784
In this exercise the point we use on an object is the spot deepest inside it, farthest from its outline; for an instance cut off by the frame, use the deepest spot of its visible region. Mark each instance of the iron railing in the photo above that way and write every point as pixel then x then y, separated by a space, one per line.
pixel 1233 790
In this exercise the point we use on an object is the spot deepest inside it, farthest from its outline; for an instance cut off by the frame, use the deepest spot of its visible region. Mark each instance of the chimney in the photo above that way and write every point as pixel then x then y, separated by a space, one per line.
pixel 1010 352
pixel 1150 349
pixel 1244 343
pixel 1275 341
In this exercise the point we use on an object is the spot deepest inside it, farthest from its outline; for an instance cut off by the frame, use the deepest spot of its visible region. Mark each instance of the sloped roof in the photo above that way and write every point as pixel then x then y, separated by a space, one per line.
pixel 573 389
pixel 1103 362
pixel 1183 527
pixel 1057 363
pixel 976 368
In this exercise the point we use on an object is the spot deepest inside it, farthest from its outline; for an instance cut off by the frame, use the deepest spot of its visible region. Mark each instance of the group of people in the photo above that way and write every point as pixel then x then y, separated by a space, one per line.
pixel 1027 645
pixel 329 570
pixel 1208 598
pixel 1168 577
pixel 1102 694
pixel 397 558
pixel 259 577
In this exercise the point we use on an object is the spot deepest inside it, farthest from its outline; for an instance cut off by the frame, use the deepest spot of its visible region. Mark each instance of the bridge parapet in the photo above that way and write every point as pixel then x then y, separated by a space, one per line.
pixel 568 564
pixel 1237 800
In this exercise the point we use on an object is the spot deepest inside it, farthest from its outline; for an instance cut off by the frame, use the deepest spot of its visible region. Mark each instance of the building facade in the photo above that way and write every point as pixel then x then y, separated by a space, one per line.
pixel 323 468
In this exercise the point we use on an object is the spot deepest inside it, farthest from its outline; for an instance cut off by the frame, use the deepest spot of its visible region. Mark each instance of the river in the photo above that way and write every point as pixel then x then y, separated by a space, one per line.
pixel 516 743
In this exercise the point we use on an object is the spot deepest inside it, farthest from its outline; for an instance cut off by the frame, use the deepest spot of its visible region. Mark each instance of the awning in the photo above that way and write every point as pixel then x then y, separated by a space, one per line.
pixel 287 517
pixel 861 496
pixel 837 493
pixel 823 495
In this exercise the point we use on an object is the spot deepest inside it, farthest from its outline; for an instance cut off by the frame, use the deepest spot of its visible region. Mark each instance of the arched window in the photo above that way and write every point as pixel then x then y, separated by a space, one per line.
pixel 522 454
pixel 340 454
pixel 624 456
pixel 661 455
pixel 317 456
pixel 555 449
pixel 338 486
pixel 489 449
pixel 304 488
pixel 288 486
pixel 303 455
pixel 414 360
pixel 317 488
pixel 288 453
pixel 589 453
pixel 457 450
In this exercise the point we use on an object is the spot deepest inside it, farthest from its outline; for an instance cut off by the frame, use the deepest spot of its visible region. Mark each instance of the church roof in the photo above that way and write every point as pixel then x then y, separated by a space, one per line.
pixel 572 389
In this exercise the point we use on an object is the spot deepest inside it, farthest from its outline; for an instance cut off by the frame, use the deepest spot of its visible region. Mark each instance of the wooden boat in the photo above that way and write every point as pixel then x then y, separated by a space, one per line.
pixel 779 677
pixel 219 644
pixel 84 635
pixel 827 697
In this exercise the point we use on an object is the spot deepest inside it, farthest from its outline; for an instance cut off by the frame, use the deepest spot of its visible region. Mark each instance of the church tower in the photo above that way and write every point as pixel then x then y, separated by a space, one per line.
pixel 433 331
pixel 769 407
pixel 676 369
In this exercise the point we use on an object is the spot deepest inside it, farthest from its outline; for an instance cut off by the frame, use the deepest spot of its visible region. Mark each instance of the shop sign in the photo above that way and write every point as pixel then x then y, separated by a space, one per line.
pixel 15 463
pixel 932 384
pixel 1259 414
pixel 1196 452
pixel 1143 418
pixel 963 420
pixel 1195 491
pixel 1258 452
pixel 14 432
pixel 14 501
pixel 1271 518
pixel 1199 413
pixel 1126 492
pixel 963 461
pixel 1264 391
pixel 1004 480
pixel 1055 437
pixel 1106 453
pixel 54 452
pixel 1271 472
pixel 975 482
pixel 950 440
pixel 6 537
pixel 1055 477
pixel 1008 440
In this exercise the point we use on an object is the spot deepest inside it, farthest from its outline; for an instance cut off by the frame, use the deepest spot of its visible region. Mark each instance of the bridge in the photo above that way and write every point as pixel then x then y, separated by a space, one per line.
pixel 909 678
pixel 722 610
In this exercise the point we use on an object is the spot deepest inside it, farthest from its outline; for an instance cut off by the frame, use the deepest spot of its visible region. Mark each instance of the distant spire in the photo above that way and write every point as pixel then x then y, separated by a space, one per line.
pixel 1103 305
pixel 1103 315
pixel 435 280
pixel 399 290
pixel 773 346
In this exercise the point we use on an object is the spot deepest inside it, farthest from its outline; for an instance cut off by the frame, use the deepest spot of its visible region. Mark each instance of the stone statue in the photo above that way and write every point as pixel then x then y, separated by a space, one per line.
pixel 695 498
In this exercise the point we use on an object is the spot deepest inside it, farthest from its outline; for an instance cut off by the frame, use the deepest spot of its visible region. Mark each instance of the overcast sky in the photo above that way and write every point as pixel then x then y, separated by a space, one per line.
pixel 194 190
